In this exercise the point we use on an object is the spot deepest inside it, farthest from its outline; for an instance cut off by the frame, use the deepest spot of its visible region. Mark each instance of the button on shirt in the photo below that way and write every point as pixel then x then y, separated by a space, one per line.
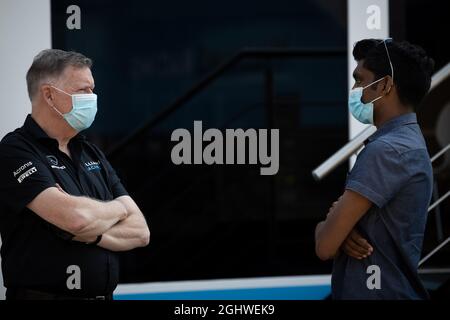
pixel 38 255
pixel 394 172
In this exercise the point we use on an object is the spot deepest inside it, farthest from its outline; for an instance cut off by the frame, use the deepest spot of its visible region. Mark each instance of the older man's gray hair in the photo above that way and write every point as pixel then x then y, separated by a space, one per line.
pixel 49 64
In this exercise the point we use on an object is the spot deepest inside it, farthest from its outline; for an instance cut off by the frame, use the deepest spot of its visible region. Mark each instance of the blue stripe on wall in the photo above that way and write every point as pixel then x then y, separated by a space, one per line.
pixel 283 293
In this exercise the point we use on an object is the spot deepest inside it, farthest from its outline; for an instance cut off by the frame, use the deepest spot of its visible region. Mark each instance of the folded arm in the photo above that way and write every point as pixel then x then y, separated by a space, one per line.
pixel 342 217
pixel 130 233
pixel 120 221
pixel 80 216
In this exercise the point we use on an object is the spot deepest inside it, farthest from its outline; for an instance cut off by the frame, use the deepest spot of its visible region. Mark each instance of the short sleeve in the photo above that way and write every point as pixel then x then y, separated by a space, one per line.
pixel 378 174
pixel 22 177
pixel 116 185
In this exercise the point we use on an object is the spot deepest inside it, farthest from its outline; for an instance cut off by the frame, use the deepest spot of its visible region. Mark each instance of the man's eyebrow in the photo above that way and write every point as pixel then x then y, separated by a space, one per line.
pixel 85 87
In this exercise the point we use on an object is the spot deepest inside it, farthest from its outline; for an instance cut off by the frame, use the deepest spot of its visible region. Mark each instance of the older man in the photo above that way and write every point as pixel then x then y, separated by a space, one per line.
pixel 63 210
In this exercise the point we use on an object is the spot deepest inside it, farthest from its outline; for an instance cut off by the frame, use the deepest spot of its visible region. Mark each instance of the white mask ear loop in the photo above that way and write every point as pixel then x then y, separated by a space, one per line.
pixel 58 111
pixel 389 57
pixel 390 62
pixel 60 90
pixel 376 99
pixel 372 84
pixel 54 106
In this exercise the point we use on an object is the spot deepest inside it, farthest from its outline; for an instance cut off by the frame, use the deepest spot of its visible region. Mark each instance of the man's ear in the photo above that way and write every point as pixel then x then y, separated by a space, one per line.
pixel 388 83
pixel 47 94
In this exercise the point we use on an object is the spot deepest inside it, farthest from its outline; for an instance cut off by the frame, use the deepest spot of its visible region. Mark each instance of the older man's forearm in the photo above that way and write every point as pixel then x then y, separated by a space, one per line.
pixel 128 234
pixel 98 216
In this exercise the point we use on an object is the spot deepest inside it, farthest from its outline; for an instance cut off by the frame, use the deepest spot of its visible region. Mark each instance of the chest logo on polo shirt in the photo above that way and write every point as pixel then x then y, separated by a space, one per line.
pixel 54 162
pixel 92 165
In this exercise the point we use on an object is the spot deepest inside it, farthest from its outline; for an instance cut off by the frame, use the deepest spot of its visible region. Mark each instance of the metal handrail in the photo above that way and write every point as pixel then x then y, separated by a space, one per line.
pixel 436 203
pixel 440 76
pixel 442 244
pixel 440 153
pixel 433 252
pixel 436 156
pixel 338 157
pixel 247 53
pixel 342 154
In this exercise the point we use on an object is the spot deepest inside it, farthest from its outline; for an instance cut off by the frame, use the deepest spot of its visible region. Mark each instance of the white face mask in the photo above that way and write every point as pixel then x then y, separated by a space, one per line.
pixel 84 109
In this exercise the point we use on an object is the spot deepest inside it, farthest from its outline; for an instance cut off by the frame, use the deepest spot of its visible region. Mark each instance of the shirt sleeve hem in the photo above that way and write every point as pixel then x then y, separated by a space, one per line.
pixel 119 191
pixel 32 195
pixel 366 192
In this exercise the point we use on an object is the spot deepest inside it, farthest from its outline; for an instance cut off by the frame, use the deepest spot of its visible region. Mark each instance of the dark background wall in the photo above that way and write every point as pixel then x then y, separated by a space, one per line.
pixel 221 221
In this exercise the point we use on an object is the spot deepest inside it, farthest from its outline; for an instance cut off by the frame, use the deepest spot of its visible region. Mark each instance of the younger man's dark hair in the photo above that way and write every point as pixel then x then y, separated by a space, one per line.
pixel 412 67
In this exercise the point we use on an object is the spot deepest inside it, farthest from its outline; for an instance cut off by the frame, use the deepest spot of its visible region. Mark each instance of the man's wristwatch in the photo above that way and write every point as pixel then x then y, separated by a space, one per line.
pixel 94 243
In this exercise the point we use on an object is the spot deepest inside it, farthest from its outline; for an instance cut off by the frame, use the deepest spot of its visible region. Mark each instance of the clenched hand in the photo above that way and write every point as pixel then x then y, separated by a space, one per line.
pixel 356 246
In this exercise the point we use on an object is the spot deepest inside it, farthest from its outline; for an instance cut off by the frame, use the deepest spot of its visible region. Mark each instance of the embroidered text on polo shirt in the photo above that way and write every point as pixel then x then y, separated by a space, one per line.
pixel 27 173
pixel 92 165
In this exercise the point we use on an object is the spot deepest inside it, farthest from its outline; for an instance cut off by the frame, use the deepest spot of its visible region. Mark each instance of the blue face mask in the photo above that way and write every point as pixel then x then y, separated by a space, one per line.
pixel 363 112
pixel 84 109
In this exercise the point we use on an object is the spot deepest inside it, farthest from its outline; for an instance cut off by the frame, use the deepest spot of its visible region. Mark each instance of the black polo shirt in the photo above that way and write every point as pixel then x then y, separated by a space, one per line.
pixel 35 254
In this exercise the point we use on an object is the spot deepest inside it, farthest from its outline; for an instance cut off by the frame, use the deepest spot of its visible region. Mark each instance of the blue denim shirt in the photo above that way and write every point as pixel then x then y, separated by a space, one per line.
pixel 394 172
